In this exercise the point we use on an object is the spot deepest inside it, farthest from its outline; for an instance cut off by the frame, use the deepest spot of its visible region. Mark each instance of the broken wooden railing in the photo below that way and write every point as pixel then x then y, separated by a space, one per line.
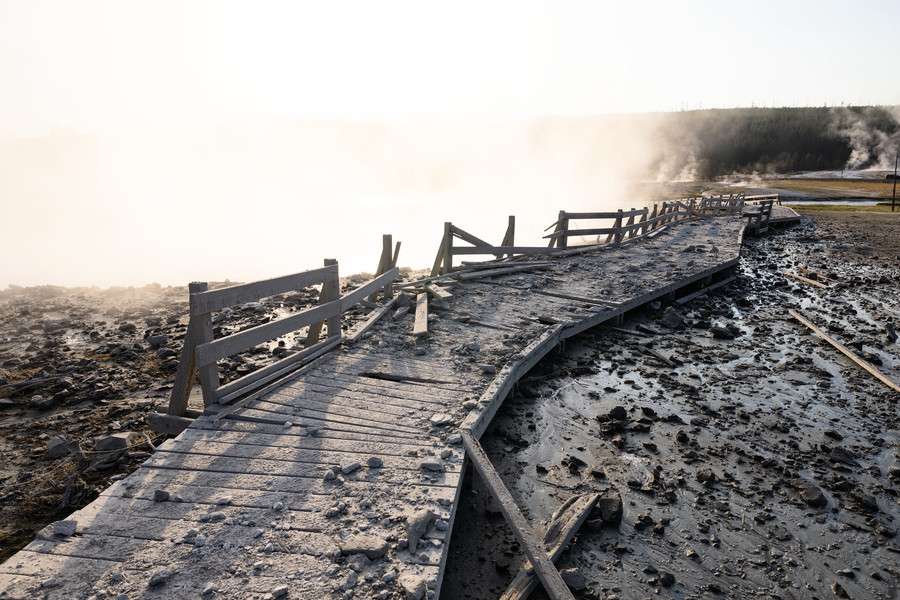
pixel 626 224
pixel 759 215
pixel 201 350
pixel 443 262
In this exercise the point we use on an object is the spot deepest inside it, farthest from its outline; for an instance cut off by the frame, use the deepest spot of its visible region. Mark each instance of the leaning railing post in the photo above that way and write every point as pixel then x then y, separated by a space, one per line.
pixel 331 289
pixel 563 227
pixel 209 374
pixel 509 238
pixel 617 233
pixel 184 376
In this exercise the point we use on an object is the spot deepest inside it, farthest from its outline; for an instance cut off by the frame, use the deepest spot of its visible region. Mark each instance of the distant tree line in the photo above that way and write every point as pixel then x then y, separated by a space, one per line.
pixel 721 142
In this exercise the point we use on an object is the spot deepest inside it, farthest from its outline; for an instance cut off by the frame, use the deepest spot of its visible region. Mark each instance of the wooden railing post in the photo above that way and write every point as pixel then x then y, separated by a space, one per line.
pixel 630 223
pixel 184 376
pixel 331 289
pixel 563 227
pixel 618 228
pixel 509 238
pixel 384 263
pixel 643 220
pixel 209 374
pixel 448 248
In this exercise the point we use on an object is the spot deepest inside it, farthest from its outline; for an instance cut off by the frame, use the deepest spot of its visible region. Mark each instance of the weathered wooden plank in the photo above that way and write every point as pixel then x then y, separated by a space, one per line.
pixel 497 272
pixel 805 280
pixel 275 440
pixel 225 506
pixel 309 419
pixel 543 566
pixel 343 456
pixel 420 327
pixel 269 373
pixel 209 352
pixel 350 299
pixel 438 292
pixel 213 300
pixel 368 401
pixel 208 485
pixel 360 330
pixel 367 406
pixel 418 394
pixel 253 466
pixel 311 430
pixel 561 527
pixel 863 364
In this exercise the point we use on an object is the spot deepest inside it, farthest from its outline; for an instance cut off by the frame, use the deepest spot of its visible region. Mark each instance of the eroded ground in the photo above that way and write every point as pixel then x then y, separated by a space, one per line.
pixel 761 466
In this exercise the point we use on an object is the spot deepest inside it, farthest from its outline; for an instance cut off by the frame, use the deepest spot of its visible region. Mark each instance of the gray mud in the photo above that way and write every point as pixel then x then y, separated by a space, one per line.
pixel 763 466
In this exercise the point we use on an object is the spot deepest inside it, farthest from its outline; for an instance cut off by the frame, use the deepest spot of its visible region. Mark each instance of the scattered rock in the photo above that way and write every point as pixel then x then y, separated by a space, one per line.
pixel 416 525
pixel 371 546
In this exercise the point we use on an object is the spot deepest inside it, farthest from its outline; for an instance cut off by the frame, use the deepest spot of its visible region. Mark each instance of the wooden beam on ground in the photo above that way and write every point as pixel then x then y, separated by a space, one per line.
pixel 420 327
pixel 805 280
pixel 863 364
pixel 561 528
pixel 373 318
pixel 496 272
pixel 167 424
pixel 438 292
pixel 543 567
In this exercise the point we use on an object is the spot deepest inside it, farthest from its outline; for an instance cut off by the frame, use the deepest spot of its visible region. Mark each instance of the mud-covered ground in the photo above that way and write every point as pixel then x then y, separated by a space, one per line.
pixel 78 365
pixel 752 459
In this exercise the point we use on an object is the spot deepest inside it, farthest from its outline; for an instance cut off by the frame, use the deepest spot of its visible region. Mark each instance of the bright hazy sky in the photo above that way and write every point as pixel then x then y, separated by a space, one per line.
pixel 136 136
pixel 88 65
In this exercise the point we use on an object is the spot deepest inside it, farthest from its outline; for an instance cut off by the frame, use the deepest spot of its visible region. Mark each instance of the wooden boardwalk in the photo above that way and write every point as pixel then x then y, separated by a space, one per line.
pixel 313 487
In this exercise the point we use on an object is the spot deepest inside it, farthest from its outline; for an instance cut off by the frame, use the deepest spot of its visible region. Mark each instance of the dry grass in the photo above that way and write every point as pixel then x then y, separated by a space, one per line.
pixel 880 208
pixel 862 188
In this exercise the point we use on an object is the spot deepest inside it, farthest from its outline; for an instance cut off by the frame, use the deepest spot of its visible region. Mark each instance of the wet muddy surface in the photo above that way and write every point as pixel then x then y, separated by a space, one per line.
pixel 752 459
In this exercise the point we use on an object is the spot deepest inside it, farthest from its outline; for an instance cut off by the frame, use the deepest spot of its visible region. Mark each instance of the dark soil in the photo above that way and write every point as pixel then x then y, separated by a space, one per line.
pixel 763 466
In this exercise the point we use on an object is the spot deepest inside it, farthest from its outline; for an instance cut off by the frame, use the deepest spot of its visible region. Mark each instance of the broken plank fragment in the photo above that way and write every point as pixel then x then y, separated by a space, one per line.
pixel 863 364
pixel 561 528
pixel 544 568
pixel 438 292
pixel 420 328
pixel 805 280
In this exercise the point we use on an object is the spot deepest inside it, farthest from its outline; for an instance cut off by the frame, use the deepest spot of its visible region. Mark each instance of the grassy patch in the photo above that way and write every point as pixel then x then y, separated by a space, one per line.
pixel 862 188
pixel 881 208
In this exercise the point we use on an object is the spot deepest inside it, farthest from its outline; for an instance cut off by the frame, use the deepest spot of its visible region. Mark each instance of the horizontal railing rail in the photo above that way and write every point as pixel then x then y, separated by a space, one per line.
pixel 202 351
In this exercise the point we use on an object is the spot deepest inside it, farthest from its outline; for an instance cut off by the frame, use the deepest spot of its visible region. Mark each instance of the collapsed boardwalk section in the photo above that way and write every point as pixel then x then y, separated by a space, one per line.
pixel 342 480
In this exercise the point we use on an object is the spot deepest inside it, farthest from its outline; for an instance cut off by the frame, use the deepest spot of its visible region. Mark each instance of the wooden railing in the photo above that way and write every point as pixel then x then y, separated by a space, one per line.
pixel 625 225
pixel 443 262
pixel 201 350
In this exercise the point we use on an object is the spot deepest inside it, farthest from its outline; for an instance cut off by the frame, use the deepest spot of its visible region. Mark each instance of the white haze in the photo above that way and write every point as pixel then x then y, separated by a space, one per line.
pixel 268 198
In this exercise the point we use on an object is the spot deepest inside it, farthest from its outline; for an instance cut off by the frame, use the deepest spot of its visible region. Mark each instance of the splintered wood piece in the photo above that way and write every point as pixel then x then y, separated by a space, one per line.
pixel 420 327
pixel 438 292
pixel 865 365
pixel 805 280
pixel 543 567
pixel 561 528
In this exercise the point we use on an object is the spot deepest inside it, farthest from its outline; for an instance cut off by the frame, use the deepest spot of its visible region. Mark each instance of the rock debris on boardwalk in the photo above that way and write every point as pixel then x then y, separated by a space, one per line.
pixel 342 482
